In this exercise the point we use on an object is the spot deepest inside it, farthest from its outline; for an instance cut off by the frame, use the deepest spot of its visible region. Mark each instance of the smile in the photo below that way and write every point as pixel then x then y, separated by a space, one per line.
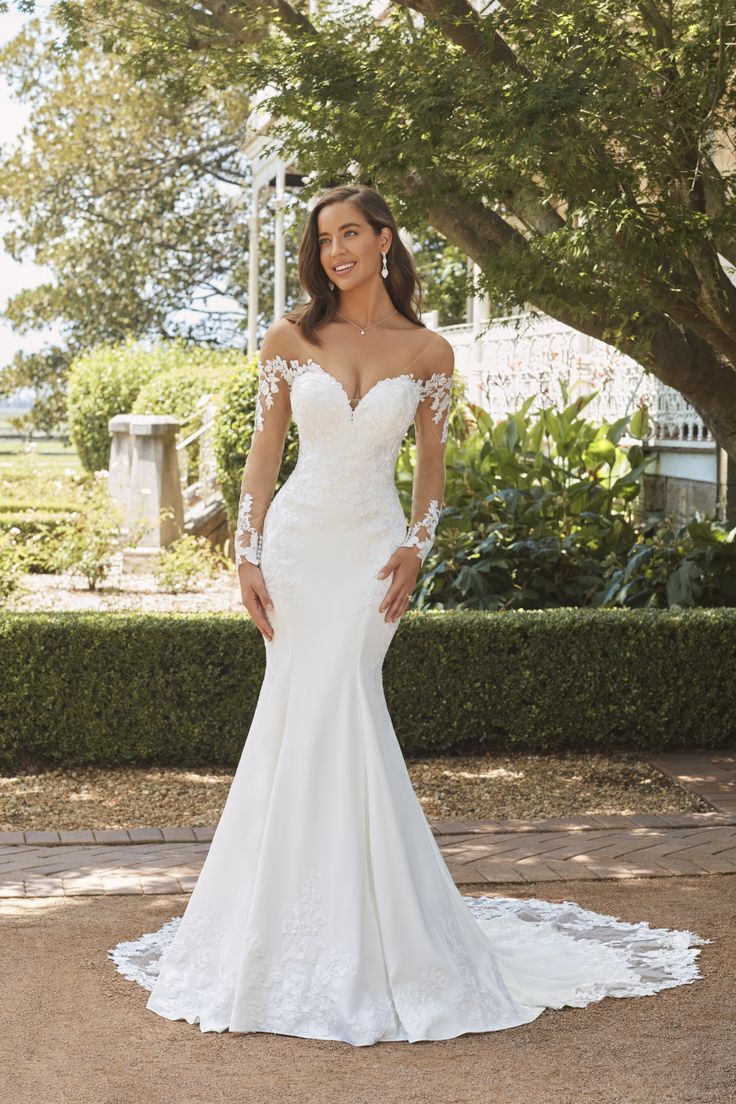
pixel 345 267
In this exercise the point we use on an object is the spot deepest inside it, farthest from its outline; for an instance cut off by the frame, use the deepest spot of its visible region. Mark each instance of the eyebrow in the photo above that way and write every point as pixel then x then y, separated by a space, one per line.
pixel 343 227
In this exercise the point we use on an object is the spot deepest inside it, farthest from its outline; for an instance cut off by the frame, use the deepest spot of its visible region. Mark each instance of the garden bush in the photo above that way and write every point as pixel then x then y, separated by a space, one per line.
pixel 169 377
pixel 181 689
pixel 540 513
pixel 102 383
pixel 234 432
pixel 187 564
pixel 194 372
pixel 38 534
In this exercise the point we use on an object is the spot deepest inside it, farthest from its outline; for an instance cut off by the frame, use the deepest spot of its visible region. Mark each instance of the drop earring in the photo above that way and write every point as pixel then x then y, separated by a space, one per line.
pixel 384 270
pixel 332 286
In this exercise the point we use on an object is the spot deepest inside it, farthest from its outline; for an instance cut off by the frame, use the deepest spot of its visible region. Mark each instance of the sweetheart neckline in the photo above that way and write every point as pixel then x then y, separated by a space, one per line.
pixel 354 409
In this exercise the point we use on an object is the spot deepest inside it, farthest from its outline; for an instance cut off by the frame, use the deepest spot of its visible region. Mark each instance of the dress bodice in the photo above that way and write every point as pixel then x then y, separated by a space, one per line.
pixel 322 409
pixel 344 475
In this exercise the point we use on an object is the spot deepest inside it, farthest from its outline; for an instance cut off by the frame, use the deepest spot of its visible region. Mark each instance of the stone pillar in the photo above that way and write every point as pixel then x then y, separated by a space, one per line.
pixel 726 487
pixel 150 484
pixel 121 456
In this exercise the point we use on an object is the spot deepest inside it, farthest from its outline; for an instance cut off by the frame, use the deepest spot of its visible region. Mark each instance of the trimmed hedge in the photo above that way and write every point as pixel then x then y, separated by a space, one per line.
pixel 180 689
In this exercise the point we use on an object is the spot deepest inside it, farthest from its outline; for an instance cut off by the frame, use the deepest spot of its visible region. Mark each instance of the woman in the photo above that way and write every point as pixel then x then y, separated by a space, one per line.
pixel 324 908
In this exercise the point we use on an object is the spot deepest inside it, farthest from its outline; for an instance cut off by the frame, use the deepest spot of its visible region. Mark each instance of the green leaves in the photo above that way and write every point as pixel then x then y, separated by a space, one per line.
pixel 538 514
pixel 126 195
pixel 600 451
pixel 640 424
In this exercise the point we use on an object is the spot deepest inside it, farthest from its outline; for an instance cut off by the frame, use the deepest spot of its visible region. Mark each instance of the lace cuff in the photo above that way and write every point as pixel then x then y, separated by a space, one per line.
pixel 248 540
pixel 429 524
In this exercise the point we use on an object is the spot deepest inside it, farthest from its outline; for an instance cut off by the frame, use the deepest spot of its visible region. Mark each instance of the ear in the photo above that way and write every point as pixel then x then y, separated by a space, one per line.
pixel 386 238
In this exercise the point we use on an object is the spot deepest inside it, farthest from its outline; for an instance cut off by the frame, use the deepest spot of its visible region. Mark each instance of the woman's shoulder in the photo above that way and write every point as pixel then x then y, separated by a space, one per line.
pixel 281 342
pixel 435 355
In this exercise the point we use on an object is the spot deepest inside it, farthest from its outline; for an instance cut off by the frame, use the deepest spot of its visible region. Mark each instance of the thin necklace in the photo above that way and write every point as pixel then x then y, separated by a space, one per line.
pixel 364 328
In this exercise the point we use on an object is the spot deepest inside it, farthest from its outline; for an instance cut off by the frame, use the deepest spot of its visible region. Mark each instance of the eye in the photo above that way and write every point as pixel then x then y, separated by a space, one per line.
pixel 324 241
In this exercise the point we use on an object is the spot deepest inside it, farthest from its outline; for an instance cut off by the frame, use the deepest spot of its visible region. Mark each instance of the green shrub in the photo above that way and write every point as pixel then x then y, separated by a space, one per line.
pixel 193 373
pixel 233 434
pixel 536 509
pixel 186 562
pixel 169 377
pixel 102 383
pixel 92 538
pixel 11 562
pixel 38 533
pixel 181 689
pixel 691 564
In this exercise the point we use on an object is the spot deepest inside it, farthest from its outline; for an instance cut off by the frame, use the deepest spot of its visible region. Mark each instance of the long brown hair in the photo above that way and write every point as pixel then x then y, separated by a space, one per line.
pixel 402 283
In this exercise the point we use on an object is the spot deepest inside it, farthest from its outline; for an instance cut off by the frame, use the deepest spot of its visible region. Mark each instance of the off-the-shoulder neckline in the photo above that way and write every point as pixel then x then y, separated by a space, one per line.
pixel 310 362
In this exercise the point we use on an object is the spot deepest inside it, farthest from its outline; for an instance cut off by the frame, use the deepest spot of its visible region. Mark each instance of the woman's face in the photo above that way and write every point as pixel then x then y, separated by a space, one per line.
pixel 349 248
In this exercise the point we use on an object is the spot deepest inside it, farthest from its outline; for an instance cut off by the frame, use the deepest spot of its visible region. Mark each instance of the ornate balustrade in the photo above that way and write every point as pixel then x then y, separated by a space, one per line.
pixel 522 355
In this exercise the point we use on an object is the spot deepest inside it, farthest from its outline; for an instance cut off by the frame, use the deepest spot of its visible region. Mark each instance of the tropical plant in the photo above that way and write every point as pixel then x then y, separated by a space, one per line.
pixel 536 505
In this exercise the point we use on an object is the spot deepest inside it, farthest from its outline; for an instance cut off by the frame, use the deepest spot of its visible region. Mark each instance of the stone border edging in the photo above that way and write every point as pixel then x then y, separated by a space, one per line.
pixel 439 827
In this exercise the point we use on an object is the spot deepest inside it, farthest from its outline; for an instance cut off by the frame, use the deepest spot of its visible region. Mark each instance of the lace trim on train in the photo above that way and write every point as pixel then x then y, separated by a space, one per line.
pixel 297 990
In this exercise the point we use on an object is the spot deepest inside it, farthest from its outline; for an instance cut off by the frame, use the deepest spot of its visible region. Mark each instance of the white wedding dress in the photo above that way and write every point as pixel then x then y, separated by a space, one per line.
pixel 324 908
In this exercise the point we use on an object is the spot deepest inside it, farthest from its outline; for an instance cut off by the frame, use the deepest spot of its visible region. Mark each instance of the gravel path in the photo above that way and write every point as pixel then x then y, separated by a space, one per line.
pixel 124 591
pixel 76 1032
pixel 481 787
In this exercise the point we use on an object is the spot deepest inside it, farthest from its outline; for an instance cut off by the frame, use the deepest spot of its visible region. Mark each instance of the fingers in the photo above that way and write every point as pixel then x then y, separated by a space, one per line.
pixel 256 611
pixel 398 597
pixel 263 597
pixel 256 600
pixel 397 602
pixel 387 568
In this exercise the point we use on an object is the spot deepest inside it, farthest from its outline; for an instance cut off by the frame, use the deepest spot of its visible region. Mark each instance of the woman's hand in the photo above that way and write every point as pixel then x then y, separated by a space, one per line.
pixel 405 564
pixel 255 596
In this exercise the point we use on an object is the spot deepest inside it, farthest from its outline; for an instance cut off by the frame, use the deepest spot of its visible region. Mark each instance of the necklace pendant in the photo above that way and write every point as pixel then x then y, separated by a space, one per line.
pixel 363 333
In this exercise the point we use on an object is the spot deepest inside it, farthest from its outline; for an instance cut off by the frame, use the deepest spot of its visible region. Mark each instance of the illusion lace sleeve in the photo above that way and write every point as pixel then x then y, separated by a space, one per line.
pixel 263 462
pixel 431 425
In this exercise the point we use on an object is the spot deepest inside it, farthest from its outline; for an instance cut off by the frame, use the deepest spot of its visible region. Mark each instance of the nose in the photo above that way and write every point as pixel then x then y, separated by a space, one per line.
pixel 335 247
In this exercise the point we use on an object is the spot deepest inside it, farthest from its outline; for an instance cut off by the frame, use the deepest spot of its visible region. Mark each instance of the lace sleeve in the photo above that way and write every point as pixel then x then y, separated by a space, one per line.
pixel 431 424
pixel 263 462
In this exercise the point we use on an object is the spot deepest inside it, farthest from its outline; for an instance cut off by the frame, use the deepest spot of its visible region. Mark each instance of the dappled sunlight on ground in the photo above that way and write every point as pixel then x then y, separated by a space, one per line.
pixel 484 787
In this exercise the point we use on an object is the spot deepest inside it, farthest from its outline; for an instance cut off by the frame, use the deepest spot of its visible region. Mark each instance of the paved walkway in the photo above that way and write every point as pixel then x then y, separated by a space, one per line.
pixel 478 853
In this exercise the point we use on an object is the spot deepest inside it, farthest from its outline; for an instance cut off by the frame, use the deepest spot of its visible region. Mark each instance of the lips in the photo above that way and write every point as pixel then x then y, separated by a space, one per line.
pixel 339 269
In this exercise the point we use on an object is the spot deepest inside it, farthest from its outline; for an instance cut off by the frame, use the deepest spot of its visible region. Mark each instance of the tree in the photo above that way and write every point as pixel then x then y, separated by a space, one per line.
pixel 133 197
pixel 580 152
pixel 134 203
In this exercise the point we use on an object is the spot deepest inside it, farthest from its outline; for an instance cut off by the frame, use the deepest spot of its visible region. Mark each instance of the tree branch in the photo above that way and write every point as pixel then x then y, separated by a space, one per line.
pixel 462 25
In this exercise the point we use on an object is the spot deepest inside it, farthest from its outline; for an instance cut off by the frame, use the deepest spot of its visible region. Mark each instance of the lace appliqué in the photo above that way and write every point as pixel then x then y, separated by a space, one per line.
pixel 268 384
pixel 248 540
pixel 300 988
pixel 439 388
pixel 458 981
pixel 637 959
pixel 297 983
pixel 429 524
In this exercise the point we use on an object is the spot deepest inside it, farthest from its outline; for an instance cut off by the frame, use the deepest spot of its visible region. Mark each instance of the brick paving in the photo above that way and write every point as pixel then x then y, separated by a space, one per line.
pixel 710 774
pixel 478 853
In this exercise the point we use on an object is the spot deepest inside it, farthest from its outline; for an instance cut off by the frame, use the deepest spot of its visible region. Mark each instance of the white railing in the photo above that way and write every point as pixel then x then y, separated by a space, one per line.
pixel 521 355
pixel 198 450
